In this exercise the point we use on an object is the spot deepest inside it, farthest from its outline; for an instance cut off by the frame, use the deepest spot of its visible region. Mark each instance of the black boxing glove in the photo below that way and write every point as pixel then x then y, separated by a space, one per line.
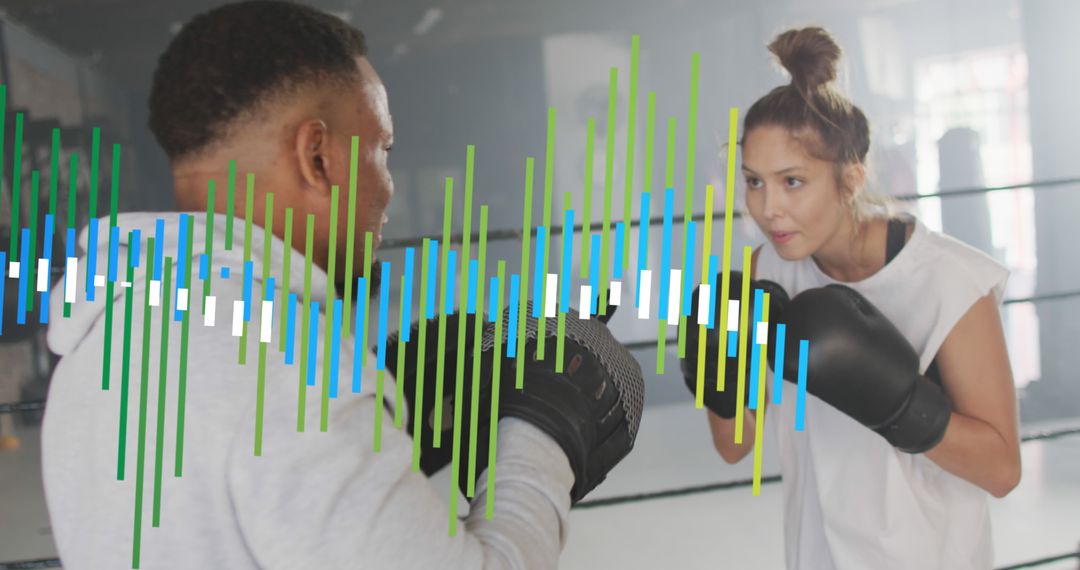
pixel 433 458
pixel 592 408
pixel 725 403
pixel 859 363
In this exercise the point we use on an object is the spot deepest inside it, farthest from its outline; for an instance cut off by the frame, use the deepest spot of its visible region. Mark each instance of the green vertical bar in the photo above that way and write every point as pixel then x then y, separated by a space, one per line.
pixel 448 208
pixel 73 182
pixel 208 246
pixel 478 328
pixel 286 275
pixel 114 196
pixel 301 399
pixel 163 371
pixel 125 370
pixel 3 129
pixel 462 290
pixel 249 214
pixel 230 206
pixel 586 215
pixel 378 410
pixel 725 276
pixel 346 321
pixel 549 168
pixel 706 252
pixel 609 171
pixel 631 127
pixel 260 396
pixel 328 327
pixel 496 368
pixel 54 174
pixel 185 325
pixel 136 546
pixel 691 142
pixel 560 330
pixel 421 349
pixel 669 182
pixel 744 338
pixel 650 134
pixel 16 187
pixel 526 235
pixel 95 157
pixel 31 271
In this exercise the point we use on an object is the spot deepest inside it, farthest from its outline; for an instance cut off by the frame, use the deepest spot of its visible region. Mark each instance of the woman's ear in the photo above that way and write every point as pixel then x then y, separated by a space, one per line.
pixel 312 149
pixel 852 180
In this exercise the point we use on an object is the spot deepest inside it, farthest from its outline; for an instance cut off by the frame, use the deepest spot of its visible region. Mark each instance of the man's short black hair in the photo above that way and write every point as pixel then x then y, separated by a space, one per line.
pixel 223 63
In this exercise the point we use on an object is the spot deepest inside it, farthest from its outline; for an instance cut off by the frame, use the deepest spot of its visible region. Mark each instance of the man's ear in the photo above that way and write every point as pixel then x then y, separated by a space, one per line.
pixel 312 148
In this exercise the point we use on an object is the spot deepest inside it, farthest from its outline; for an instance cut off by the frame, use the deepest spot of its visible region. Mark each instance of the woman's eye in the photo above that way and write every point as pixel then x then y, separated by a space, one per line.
pixel 793 182
pixel 752 182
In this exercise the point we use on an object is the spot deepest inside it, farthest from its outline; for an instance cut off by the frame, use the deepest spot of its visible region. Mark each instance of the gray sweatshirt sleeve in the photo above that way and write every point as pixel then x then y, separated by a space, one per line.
pixel 329 500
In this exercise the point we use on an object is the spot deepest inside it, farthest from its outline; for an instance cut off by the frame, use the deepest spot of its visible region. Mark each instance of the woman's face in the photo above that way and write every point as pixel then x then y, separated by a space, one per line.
pixel 793 197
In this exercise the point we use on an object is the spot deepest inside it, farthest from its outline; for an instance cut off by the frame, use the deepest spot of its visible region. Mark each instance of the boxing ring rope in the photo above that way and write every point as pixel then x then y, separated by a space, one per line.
pixel 655 221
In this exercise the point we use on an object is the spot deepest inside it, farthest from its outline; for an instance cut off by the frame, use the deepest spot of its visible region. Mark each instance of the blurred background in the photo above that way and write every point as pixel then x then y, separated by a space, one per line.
pixel 974 124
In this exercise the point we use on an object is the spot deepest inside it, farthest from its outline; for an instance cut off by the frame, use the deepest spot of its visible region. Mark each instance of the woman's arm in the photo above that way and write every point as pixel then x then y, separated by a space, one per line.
pixel 723 436
pixel 982 442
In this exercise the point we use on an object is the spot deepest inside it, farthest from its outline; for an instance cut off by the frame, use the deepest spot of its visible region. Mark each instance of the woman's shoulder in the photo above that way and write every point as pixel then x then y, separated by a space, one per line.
pixel 956 262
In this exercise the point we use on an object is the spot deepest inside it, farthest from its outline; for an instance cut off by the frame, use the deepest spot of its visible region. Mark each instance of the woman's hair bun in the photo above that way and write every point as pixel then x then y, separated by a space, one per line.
pixel 810 55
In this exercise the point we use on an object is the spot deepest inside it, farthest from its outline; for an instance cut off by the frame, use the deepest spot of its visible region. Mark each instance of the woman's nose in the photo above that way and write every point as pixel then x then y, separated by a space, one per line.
pixel 773 206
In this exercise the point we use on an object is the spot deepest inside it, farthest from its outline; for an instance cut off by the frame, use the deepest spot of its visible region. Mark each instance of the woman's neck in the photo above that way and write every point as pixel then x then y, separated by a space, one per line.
pixel 851 256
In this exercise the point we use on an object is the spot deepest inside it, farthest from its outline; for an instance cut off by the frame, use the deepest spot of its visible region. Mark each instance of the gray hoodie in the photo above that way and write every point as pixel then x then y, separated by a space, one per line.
pixel 312 499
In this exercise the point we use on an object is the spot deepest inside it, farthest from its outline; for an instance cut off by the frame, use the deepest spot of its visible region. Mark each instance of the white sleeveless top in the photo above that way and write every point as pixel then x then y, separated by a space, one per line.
pixel 852 501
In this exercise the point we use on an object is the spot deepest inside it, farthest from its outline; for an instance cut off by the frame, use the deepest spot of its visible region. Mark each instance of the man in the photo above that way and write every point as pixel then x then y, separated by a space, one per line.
pixel 281 89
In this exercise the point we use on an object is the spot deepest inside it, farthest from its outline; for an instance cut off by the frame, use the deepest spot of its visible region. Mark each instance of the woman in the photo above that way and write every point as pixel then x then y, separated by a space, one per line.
pixel 909 488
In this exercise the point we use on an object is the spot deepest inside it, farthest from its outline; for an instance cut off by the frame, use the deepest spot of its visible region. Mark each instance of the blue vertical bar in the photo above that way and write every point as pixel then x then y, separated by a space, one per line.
pixel 594 275
pixel 448 285
pixel 270 296
pixel 384 307
pixel 47 251
pixel 313 341
pixel 335 349
pixel 225 272
pixel 71 244
pixel 511 333
pixel 432 268
pixel 492 299
pixel 248 270
pixel 470 307
pixel 712 291
pixel 114 252
pixel 3 278
pixel 24 275
pixel 732 343
pixel 181 268
pixel 406 296
pixel 665 254
pixel 642 246
pixel 755 349
pixel 688 268
pixel 91 259
pixel 778 368
pixel 619 229
pixel 135 246
pixel 539 273
pixel 159 245
pixel 361 310
pixel 290 335
pixel 566 277
pixel 800 401
pixel 204 266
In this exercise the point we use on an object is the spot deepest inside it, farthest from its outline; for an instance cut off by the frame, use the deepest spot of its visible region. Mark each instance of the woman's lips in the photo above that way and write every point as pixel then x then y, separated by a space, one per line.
pixel 781 237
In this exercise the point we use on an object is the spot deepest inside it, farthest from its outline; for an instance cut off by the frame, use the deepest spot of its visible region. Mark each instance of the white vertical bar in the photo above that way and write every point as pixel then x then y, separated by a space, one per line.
pixel 155 293
pixel 674 299
pixel 733 315
pixel 99 281
pixel 72 276
pixel 182 299
pixel 615 293
pixel 211 307
pixel 43 275
pixel 13 270
pixel 585 304
pixel 645 295
pixel 551 295
pixel 267 321
pixel 704 292
pixel 762 332
pixel 237 318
